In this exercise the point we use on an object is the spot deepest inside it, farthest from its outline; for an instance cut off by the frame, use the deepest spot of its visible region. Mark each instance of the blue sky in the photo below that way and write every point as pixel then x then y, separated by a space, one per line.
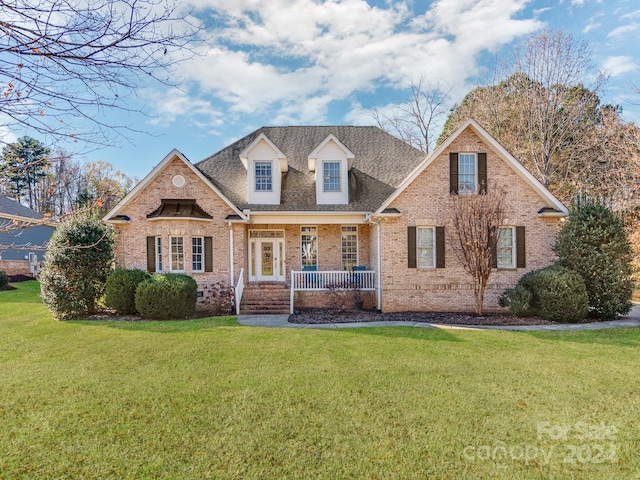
pixel 306 62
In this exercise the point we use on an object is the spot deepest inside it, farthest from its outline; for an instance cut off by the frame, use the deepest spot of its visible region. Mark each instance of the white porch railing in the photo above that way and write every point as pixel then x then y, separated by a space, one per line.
pixel 239 291
pixel 310 281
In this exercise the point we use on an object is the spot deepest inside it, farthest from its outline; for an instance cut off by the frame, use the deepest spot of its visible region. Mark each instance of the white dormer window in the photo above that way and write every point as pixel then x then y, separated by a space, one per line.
pixel 331 162
pixel 265 164
pixel 331 178
pixel 263 176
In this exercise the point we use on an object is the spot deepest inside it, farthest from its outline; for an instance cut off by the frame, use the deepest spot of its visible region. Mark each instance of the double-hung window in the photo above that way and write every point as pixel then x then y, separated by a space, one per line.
pixel 506 247
pixel 425 247
pixel 197 254
pixel 309 246
pixel 177 254
pixel 263 177
pixel 349 247
pixel 331 176
pixel 158 252
pixel 467 174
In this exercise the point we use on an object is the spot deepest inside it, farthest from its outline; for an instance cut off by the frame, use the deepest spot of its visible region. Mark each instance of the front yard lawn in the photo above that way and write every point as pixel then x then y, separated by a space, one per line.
pixel 211 399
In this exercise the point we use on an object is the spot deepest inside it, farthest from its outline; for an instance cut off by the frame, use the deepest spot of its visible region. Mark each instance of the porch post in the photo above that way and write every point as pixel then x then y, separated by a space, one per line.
pixel 378 225
pixel 291 294
pixel 231 267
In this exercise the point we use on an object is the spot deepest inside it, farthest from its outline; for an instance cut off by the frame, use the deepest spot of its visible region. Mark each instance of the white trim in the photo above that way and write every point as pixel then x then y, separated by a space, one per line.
pixel 171 270
pixel 158 254
pixel 514 240
pixel 282 159
pixel 475 174
pixel 509 159
pixel 433 252
pixel 202 254
pixel 308 218
pixel 313 156
pixel 155 172
pixel 350 232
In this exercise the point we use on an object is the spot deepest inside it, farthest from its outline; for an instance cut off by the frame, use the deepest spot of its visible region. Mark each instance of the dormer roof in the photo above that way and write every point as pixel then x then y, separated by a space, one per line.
pixel 282 158
pixel 313 156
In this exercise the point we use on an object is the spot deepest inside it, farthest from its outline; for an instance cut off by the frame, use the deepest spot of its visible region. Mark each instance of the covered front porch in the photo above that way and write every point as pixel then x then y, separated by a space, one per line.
pixel 316 264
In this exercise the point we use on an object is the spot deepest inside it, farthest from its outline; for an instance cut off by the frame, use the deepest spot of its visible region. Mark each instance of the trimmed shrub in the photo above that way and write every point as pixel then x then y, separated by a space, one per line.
pixel 558 294
pixel 167 296
pixel 120 292
pixel 76 267
pixel 518 300
pixel 594 243
pixel 4 280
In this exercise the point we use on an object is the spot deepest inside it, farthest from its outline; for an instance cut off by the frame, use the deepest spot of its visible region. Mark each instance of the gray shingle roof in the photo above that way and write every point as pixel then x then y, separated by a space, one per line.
pixel 9 207
pixel 381 163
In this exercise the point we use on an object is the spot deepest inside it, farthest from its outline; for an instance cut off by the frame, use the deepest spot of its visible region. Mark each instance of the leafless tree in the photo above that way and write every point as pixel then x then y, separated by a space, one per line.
pixel 472 230
pixel 64 62
pixel 559 103
pixel 415 121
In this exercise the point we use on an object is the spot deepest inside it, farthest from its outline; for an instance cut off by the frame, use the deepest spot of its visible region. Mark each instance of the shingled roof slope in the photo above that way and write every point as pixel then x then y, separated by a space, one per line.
pixel 381 163
pixel 10 208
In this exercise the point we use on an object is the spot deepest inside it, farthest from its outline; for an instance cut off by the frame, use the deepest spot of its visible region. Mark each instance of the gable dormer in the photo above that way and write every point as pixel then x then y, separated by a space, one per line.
pixel 265 164
pixel 331 162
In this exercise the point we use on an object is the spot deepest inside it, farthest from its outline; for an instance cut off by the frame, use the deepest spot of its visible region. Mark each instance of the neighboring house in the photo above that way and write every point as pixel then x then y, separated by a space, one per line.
pixel 282 202
pixel 24 237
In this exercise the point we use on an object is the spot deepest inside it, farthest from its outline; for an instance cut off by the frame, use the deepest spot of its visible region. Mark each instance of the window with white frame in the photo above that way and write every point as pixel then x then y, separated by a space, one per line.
pixel 197 254
pixel 506 247
pixel 425 247
pixel 263 176
pixel 158 254
pixel 177 254
pixel 309 246
pixel 331 176
pixel 349 243
pixel 467 173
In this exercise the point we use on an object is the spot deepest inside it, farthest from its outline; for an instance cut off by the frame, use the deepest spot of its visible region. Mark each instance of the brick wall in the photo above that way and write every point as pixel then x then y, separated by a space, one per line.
pixel 15 267
pixel 426 203
pixel 131 238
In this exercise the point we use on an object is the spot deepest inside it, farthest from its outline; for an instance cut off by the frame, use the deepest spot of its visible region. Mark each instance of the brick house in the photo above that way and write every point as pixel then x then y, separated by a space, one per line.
pixel 287 214
pixel 24 238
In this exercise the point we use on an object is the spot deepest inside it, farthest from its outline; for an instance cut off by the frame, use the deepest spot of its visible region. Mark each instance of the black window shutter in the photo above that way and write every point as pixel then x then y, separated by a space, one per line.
pixel 439 247
pixel 493 245
pixel 453 172
pixel 482 172
pixel 151 254
pixel 521 259
pixel 411 247
pixel 208 254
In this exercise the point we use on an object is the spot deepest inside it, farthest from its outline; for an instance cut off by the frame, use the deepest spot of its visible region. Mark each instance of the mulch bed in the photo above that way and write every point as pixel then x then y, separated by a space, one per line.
pixel 311 316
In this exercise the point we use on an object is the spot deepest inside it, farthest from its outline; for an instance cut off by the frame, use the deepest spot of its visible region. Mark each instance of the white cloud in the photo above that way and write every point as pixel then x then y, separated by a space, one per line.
pixel 291 59
pixel 623 30
pixel 174 103
pixel 617 65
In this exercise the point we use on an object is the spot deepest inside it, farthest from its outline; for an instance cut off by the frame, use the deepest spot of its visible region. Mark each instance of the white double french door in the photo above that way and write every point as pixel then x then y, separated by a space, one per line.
pixel 266 256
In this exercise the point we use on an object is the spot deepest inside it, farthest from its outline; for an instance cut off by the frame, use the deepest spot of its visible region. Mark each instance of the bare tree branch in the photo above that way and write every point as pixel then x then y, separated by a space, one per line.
pixel 67 60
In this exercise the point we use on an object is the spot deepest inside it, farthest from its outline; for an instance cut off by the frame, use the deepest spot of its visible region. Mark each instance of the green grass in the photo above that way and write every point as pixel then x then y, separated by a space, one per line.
pixel 211 399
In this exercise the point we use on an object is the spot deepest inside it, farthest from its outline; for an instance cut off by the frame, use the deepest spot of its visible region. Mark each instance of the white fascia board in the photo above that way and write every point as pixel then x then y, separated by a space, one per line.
pixel 308 218
pixel 154 173
pixel 507 157
pixel 313 156
pixel 282 159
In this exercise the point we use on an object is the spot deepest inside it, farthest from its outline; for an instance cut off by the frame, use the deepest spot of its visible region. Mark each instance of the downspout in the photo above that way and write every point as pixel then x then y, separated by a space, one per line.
pixel 377 223
pixel 379 266
pixel 231 267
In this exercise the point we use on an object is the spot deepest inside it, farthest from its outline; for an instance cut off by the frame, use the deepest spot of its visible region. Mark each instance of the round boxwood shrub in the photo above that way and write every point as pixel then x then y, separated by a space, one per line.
pixel 518 299
pixel 558 294
pixel 167 296
pixel 4 280
pixel 120 292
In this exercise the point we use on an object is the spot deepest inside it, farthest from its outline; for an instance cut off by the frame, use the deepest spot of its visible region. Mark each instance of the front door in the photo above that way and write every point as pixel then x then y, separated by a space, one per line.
pixel 266 256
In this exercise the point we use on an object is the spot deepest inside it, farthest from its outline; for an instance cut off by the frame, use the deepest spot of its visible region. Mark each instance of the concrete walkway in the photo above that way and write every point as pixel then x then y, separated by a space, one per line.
pixel 281 321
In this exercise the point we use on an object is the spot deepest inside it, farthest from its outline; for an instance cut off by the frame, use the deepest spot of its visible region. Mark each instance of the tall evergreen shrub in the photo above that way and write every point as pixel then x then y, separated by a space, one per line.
pixel 594 243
